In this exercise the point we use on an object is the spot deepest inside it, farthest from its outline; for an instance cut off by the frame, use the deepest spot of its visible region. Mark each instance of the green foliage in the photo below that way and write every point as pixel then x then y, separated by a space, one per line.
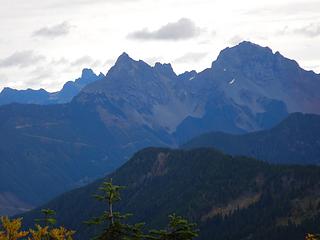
pixel 117 229
pixel 178 229
pixel 48 218
pixel 114 222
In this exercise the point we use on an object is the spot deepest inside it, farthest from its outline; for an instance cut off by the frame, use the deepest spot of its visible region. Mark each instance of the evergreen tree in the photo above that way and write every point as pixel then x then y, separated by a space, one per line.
pixel 48 218
pixel 48 231
pixel 178 229
pixel 113 222
pixel 115 227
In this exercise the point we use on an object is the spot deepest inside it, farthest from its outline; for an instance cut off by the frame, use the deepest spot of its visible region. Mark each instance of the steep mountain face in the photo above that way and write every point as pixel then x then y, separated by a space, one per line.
pixel 296 140
pixel 30 96
pixel 249 71
pixel 228 197
pixel 248 88
pixel 136 106
pixel 150 96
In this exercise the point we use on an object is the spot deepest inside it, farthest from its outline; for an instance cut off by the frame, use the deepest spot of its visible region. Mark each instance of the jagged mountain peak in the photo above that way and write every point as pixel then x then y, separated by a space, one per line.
pixel 87 72
pixel 124 56
pixel 87 76
pixel 127 64
pixel 247 46
pixel 248 73
pixel 247 53
pixel 159 65
pixel 124 59
pixel 165 69
pixel 188 75
pixel 7 89
pixel 244 52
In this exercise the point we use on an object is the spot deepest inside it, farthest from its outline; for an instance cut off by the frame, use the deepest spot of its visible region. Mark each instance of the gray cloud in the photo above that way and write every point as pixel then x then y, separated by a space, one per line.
pixel 85 60
pixel 40 73
pixel 58 30
pixel 180 30
pixel 311 30
pixel 21 59
pixel 191 57
pixel 61 61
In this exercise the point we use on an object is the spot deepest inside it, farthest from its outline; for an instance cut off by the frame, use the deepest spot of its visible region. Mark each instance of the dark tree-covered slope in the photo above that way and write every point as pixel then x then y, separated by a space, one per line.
pixel 229 197
pixel 296 140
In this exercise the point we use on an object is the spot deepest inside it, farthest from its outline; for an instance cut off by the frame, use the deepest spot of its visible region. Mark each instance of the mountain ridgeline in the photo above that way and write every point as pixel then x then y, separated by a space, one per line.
pixel 296 140
pixel 248 88
pixel 41 96
pixel 228 197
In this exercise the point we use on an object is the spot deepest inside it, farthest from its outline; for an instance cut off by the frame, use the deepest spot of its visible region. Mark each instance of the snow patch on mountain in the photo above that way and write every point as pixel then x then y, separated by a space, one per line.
pixel 232 81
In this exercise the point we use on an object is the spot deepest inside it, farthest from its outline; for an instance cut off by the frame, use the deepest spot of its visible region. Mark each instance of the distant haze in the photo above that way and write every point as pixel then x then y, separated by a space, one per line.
pixel 46 43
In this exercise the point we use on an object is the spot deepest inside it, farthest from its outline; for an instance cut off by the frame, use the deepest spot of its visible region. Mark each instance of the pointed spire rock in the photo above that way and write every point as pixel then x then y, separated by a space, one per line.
pixel 165 69
pixel 87 73
pixel 124 58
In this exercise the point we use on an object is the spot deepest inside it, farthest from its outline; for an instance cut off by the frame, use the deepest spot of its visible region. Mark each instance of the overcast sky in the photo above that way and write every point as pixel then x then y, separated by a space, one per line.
pixel 44 43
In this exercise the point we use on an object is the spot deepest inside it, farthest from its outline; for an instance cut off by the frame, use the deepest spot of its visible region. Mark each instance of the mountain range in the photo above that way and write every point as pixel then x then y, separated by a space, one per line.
pixel 135 105
pixel 296 140
pixel 41 96
pixel 228 197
